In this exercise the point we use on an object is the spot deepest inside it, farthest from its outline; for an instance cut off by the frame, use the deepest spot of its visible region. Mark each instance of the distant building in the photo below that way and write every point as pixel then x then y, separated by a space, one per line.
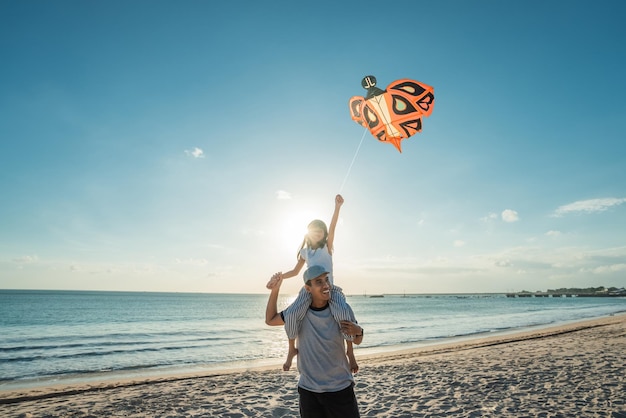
pixel 618 292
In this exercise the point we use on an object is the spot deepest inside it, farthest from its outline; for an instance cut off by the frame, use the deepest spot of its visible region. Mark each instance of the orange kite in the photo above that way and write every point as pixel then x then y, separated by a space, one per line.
pixel 393 114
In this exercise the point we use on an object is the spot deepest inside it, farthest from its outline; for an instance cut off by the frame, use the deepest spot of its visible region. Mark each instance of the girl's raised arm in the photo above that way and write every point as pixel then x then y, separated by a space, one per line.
pixel 333 223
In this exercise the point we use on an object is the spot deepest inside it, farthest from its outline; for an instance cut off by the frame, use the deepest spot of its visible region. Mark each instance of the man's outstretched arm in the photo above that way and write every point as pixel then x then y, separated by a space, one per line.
pixel 272 317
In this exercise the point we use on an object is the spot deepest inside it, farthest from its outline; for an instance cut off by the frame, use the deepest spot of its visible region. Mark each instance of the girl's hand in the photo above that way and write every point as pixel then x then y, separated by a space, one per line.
pixel 275 280
pixel 338 200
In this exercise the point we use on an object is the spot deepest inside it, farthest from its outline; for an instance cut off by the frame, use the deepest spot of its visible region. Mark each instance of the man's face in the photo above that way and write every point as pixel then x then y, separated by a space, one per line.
pixel 320 288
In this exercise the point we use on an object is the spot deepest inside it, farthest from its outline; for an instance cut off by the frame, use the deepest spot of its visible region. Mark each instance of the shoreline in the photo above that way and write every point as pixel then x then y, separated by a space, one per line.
pixel 268 388
pixel 113 379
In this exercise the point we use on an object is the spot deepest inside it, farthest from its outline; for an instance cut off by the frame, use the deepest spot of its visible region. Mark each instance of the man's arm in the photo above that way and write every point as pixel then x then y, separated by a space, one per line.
pixel 272 317
pixel 351 328
pixel 358 339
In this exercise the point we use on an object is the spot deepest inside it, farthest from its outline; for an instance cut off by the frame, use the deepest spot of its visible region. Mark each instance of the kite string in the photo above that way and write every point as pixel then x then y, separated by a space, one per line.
pixel 377 99
pixel 352 163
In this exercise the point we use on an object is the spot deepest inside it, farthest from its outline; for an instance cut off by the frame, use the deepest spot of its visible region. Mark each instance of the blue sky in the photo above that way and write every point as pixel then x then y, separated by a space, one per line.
pixel 184 146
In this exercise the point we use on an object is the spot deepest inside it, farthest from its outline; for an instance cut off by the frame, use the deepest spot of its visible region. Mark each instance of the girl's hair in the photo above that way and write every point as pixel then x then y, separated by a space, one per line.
pixel 306 242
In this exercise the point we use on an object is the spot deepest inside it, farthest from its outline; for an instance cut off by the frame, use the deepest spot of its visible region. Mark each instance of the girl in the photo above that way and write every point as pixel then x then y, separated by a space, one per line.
pixel 316 249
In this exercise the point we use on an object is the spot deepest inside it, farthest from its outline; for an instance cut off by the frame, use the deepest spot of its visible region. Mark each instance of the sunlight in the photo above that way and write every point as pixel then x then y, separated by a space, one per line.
pixel 293 228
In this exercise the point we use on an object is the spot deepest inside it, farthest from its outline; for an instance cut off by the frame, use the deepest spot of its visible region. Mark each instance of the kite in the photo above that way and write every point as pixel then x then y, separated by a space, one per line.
pixel 393 114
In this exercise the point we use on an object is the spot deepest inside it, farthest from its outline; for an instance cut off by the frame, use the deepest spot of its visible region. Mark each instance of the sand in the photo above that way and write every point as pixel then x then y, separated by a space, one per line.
pixel 575 370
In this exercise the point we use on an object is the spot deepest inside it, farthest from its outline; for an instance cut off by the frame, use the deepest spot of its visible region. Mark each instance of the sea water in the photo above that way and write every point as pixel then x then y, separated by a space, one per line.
pixel 63 336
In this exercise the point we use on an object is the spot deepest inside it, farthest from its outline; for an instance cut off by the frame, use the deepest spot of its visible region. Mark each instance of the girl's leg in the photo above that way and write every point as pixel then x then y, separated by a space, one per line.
pixel 340 309
pixel 293 351
pixel 294 314
pixel 354 366
pixel 343 312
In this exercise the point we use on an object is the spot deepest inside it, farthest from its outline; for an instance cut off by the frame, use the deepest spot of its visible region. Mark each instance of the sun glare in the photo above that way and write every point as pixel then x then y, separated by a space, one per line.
pixel 293 228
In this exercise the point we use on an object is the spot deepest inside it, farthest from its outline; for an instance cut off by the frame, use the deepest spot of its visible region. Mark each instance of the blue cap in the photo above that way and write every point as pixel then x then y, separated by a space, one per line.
pixel 313 272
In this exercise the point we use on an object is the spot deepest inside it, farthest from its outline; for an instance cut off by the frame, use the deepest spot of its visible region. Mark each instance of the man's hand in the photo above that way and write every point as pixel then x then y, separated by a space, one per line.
pixel 350 328
pixel 272 317
pixel 275 280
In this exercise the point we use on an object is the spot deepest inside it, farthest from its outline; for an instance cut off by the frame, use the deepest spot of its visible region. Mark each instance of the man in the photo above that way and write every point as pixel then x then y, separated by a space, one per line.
pixel 326 383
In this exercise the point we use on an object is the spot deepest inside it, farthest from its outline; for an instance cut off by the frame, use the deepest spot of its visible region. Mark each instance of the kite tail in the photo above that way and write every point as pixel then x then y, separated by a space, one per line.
pixel 352 163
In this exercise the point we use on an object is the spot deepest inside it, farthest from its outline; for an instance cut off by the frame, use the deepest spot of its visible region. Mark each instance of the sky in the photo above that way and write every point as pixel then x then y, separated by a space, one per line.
pixel 184 146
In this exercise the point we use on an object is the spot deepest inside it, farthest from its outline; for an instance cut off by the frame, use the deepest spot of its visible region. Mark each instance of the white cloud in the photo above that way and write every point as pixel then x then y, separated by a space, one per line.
pixel 459 243
pixel 195 153
pixel 589 206
pixel 490 217
pixel 509 215
pixel 26 259
pixel 553 233
pixel 503 263
pixel 283 195
pixel 253 232
pixel 192 261
pixel 612 268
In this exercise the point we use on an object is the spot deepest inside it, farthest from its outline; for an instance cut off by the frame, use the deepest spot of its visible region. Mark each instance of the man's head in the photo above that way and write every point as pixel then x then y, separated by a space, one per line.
pixel 317 283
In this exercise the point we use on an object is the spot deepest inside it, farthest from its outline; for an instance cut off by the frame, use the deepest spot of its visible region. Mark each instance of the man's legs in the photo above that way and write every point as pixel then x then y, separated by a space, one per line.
pixel 340 404
pixel 310 407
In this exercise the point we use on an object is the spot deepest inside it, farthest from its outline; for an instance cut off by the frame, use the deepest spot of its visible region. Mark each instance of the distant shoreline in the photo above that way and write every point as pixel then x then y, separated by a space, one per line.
pixel 503 294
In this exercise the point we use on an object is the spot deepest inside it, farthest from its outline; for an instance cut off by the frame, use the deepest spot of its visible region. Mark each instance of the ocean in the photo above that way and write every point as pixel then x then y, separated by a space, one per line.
pixel 49 337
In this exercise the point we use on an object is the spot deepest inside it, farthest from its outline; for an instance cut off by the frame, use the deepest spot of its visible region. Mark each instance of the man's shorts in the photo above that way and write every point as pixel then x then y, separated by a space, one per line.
pixel 340 404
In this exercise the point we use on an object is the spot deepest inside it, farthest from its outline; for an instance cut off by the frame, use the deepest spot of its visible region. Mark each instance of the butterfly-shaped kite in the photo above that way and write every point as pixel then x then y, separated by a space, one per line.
pixel 393 114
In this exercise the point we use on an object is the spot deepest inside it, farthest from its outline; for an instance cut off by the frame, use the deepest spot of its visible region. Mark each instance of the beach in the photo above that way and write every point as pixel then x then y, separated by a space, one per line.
pixel 572 370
